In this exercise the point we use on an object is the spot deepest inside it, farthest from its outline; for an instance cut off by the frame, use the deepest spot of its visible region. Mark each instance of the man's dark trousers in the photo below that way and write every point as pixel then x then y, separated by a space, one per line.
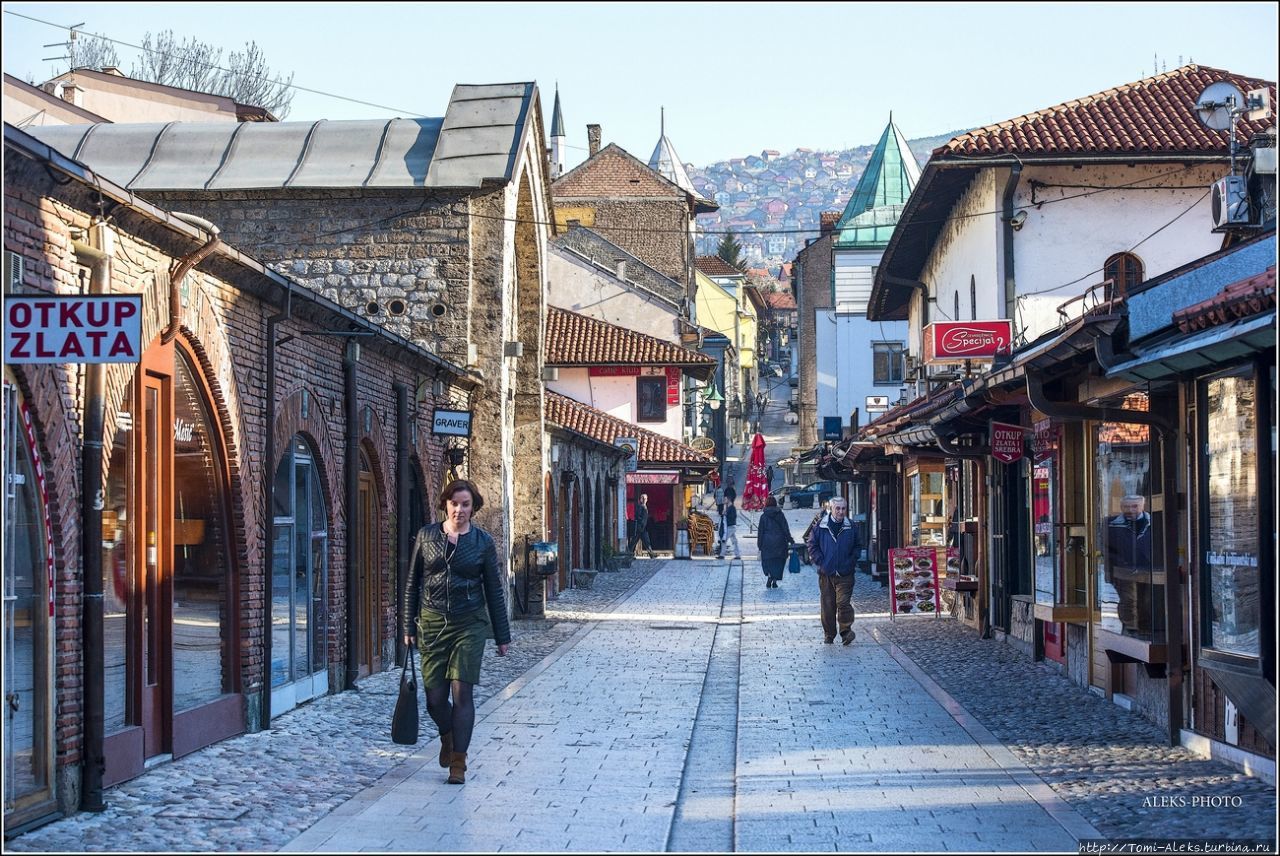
pixel 837 606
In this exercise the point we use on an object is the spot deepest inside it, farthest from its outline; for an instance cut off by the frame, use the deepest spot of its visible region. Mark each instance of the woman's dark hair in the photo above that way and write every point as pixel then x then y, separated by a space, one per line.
pixel 477 501
pixel 771 502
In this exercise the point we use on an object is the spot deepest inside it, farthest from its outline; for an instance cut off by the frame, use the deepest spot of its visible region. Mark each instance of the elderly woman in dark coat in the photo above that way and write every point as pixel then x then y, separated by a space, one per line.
pixel 773 537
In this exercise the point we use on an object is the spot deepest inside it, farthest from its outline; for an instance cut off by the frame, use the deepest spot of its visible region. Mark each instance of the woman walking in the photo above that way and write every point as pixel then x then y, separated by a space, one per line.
pixel 453 601
pixel 773 537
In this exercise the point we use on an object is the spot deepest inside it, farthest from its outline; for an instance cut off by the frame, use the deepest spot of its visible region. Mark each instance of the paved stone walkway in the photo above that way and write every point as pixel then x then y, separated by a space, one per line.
pixel 256 792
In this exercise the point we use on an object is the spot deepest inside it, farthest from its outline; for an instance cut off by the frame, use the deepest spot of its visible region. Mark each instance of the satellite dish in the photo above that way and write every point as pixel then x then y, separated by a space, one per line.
pixel 1215 104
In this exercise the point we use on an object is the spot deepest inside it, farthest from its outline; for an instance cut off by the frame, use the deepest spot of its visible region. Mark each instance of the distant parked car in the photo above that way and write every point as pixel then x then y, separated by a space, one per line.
pixel 818 492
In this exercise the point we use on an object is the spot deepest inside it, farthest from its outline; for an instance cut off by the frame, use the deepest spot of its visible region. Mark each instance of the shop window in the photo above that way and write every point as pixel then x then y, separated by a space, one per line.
pixel 28 728
pixel 886 363
pixel 1231 619
pixel 1131 585
pixel 1125 270
pixel 299 568
pixel 651 399
pixel 928 523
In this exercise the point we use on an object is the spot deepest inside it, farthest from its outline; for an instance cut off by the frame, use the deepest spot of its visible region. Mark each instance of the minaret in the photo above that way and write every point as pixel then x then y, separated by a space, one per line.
pixel 557 139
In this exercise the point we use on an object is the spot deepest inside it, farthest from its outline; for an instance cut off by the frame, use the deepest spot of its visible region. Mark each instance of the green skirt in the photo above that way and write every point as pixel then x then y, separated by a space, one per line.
pixel 451 650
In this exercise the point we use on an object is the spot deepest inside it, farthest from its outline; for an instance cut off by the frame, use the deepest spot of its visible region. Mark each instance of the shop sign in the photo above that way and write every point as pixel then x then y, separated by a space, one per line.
pixel 88 328
pixel 631 446
pixel 915 574
pixel 452 423
pixel 1047 438
pixel 1006 442
pixel 671 373
pixel 948 342
pixel 832 428
pixel 877 404
pixel 653 478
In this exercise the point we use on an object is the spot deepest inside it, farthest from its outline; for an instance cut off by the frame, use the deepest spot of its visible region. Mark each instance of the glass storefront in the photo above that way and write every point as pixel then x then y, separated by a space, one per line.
pixel 28 727
pixel 1231 584
pixel 299 572
pixel 1044 547
pixel 928 522
pixel 1130 585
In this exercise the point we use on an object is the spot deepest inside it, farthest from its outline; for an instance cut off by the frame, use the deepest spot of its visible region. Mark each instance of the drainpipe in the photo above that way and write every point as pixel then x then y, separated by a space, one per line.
pixel 268 495
pixel 1010 285
pixel 404 532
pixel 91 501
pixel 184 266
pixel 350 363
pixel 1169 493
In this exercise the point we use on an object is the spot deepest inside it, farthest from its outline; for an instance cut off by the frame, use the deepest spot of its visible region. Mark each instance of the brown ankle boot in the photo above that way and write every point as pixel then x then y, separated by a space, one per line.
pixel 446 748
pixel 458 768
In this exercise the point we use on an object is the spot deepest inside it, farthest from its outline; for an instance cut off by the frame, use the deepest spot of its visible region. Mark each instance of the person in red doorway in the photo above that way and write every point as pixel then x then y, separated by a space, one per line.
pixel 641 532
pixel 833 545
pixel 453 603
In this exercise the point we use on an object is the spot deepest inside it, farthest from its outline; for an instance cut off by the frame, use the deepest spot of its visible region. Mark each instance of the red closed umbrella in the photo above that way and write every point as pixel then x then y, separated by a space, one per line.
pixel 757 489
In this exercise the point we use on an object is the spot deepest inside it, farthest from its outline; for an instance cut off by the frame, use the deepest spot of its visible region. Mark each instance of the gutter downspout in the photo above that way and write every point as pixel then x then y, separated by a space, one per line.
pixel 1010 283
pixel 404 531
pixel 1169 495
pixel 268 493
pixel 350 373
pixel 183 267
pixel 91 502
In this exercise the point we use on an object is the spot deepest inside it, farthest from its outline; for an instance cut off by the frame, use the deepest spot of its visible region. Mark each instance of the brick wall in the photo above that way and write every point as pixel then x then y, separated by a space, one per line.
pixel 656 231
pixel 223 332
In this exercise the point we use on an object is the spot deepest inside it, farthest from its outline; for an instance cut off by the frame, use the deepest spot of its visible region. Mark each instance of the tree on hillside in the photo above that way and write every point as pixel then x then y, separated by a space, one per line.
pixel 193 64
pixel 730 250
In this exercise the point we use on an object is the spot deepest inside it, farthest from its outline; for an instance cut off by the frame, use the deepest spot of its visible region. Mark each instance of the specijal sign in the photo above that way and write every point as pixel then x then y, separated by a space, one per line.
pixel 956 341
pixel 453 423
pixel 84 328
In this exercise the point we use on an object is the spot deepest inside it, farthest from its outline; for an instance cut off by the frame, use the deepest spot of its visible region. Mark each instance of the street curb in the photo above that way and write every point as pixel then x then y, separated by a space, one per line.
pixel 1044 796
pixel 314 837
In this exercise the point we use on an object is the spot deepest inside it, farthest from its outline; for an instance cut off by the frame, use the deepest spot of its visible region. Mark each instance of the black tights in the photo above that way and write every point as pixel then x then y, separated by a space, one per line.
pixel 459 717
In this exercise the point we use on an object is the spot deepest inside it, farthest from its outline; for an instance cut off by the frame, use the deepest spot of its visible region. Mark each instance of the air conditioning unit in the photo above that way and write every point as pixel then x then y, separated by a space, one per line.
pixel 1230 202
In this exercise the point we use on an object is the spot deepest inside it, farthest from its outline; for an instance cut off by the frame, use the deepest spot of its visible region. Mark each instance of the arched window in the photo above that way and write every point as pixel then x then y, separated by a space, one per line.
pixel 1125 270
pixel 299 576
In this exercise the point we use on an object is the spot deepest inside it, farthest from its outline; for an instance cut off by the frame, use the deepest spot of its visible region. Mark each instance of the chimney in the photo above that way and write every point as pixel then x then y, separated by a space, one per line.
pixel 112 69
pixel 827 222
pixel 73 94
pixel 593 140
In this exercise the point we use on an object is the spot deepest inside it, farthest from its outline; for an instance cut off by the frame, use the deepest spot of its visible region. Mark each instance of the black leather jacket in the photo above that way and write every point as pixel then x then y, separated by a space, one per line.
pixel 467 582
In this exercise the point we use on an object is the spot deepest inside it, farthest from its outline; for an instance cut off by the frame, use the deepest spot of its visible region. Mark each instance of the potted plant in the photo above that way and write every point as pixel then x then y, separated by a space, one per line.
pixel 610 557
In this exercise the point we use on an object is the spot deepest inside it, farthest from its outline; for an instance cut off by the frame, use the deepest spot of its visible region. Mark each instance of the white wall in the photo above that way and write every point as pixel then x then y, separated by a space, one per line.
pixel 580 286
pixel 853 278
pixel 848 377
pixel 617 397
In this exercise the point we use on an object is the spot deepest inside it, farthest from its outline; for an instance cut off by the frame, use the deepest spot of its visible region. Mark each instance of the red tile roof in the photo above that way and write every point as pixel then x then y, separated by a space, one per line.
pixel 1153 115
pixel 1239 300
pixel 654 448
pixel 578 340
pixel 780 300
pixel 1127 433
pixel 614 171
pixel 716 266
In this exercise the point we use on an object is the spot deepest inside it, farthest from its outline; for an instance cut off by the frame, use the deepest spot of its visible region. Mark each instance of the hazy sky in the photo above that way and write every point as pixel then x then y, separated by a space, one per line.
pixel 734 78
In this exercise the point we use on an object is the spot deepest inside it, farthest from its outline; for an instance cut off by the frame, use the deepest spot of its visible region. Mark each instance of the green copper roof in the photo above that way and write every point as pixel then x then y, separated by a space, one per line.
pixel 872 213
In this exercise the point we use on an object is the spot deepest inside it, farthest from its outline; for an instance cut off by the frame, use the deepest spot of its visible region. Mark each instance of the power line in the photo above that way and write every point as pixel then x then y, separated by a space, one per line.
pixel 286 84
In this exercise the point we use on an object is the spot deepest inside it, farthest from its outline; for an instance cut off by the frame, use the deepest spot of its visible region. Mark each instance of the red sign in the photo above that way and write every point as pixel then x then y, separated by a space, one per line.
pixel 1006 442
pixel 671 373
pixel 653 478
pixel 957 341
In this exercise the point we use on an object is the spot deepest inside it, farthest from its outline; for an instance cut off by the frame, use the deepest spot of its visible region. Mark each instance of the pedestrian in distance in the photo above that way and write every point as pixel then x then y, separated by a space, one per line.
pixel 719 501
pixel 773 536
pixel 833 544
pixel 729 493
pixel 768 477
pixel 729 530
pixel 641 532
pixel 452 602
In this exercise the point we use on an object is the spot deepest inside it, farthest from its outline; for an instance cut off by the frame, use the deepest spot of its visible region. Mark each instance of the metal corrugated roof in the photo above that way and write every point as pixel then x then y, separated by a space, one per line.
pixel 478 139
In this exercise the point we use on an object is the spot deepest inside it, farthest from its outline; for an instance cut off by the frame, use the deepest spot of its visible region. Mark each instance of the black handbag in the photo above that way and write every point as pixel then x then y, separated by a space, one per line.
pixel 404 722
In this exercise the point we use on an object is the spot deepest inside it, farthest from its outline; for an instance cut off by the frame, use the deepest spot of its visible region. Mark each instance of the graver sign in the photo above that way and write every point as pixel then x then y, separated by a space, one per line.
pixel 456 423
pixel 99 328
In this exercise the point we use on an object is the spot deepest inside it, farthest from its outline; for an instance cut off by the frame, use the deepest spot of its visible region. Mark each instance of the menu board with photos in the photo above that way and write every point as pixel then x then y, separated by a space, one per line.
pixel 914 584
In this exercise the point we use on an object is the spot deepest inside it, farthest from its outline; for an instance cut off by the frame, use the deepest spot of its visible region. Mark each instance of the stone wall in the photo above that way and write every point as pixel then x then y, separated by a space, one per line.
pixel 656 231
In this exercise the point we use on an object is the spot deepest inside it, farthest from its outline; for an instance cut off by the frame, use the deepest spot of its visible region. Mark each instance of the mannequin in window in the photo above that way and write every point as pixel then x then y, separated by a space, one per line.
pixel 1129 563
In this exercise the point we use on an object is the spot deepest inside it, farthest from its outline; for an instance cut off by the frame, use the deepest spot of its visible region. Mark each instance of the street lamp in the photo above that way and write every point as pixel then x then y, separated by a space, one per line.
pixel 712 397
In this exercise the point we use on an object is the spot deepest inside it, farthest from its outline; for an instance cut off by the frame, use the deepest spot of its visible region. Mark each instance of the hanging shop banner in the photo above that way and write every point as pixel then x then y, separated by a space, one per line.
pixel 915 580
pixel 85 328
pixel 653 478
pixel 1006 442
pixel 947 342
pixel 671 373
pixel 631 446
pixel 452 423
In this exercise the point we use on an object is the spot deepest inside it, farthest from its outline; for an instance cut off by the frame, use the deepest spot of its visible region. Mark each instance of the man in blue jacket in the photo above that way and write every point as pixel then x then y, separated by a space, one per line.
pixel 833 545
